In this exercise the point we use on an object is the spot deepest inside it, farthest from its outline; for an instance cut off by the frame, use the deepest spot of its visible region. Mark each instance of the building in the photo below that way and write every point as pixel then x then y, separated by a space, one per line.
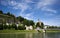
pixel 39 25
pixel 29 27
pixel 5 19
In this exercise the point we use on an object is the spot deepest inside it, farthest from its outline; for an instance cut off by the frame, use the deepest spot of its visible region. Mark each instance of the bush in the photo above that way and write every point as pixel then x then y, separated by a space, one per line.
pixel 5 26
pixel 9 27
pixel 1 26
pixel 21 27
pixel 13 25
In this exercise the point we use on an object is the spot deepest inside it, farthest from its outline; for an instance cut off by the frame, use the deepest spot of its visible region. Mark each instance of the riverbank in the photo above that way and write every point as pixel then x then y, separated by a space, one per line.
pixel 25 31
pixel 18 31
pixel 52 30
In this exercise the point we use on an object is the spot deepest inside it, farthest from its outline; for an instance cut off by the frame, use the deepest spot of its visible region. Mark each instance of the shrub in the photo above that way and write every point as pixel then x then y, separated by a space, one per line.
pixel 1 26
pixel 21 27
pixel 5 26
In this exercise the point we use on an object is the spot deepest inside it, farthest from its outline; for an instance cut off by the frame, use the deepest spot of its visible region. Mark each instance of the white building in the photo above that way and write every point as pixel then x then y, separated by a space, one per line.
pixel 29 27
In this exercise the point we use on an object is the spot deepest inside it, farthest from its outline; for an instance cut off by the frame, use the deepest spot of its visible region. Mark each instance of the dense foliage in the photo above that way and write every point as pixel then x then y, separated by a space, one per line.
pixel 12 17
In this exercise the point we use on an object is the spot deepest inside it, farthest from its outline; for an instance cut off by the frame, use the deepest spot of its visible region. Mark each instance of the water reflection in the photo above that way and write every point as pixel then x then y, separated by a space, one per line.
pixel 31 35
pixel 35 35
pixel 53 35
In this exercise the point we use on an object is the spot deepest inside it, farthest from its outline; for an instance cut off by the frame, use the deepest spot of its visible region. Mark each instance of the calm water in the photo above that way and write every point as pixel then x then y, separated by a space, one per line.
pixel 31 35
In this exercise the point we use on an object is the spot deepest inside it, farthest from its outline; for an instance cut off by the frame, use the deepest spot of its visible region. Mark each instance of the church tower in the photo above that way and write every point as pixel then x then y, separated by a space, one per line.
pixel 39 22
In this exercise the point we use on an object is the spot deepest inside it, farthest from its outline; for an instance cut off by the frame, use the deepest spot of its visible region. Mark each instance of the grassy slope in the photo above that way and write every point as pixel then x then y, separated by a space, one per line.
pixel 53 31
pixel 25 31
pixel 18 31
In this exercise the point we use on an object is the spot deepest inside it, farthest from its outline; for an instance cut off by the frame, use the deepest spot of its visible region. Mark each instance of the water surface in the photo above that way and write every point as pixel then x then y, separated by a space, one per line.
pixel 31 35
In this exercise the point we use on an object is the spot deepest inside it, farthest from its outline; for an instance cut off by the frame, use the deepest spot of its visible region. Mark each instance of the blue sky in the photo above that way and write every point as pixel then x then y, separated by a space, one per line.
pixel 48 11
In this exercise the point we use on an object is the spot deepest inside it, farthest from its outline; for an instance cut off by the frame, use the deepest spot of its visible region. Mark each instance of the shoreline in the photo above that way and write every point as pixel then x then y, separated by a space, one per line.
pixel 25 31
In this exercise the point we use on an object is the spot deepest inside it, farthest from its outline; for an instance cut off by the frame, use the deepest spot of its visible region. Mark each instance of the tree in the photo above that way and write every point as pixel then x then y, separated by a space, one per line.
pixel 1 26
pixel 21 27
pixel 31 22
pixel 42 25
pixel 8 13
pixel 20 18
pixel 26 22
pixel 5 26
pixel 1 12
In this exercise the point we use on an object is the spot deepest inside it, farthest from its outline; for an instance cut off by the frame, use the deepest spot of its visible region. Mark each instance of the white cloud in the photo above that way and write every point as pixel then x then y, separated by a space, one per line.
pixel 28 16
pixel 21 6
pixel 57 17
pixel 44 3
pixel 12 3
pixel 3 3
pixel 48 14
pixel 16 5
pixel 49 10
pixel 29 1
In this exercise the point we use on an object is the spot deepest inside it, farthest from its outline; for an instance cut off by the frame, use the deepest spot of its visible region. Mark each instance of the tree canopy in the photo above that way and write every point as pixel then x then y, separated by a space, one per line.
pixel 20 18
pixel 1 12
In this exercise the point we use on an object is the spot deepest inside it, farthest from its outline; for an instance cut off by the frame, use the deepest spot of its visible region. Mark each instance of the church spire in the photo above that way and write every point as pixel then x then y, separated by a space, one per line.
pixel 39 20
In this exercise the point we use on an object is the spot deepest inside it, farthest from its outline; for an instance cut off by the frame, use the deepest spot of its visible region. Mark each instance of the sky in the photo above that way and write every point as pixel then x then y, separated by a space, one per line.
pixel 47 11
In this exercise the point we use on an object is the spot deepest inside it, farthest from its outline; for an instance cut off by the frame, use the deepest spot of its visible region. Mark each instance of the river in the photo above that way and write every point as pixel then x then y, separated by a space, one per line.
pixel 31 35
